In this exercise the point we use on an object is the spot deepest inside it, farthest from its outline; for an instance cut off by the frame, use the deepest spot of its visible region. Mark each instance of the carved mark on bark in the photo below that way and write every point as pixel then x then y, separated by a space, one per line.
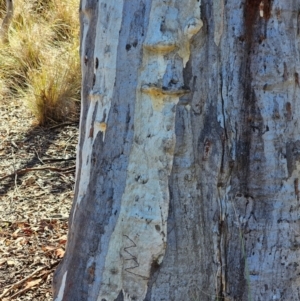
pixel 132 258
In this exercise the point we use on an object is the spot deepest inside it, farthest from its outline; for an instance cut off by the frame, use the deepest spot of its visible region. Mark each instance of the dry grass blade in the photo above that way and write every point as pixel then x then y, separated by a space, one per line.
pixel 40 65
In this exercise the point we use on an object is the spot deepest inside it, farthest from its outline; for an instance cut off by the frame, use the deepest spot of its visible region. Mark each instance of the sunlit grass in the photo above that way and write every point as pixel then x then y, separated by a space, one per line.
pixel 40 63
pixel 53 89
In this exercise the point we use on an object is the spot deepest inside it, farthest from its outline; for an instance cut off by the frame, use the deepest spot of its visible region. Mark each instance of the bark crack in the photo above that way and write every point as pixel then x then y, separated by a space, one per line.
pixel 221 256
pixel 222 192
pixel 225 134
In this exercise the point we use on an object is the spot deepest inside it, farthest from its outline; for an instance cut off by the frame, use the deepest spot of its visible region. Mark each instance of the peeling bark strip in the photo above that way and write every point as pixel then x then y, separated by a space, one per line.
pixel 100 94
pixel 139 239
pixel 218 20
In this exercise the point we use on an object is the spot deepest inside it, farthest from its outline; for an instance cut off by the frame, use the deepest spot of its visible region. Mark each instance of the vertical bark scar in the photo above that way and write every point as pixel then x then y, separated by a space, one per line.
pixel 166 44
pixel 224 137
pixel 254 8
pixel 218 8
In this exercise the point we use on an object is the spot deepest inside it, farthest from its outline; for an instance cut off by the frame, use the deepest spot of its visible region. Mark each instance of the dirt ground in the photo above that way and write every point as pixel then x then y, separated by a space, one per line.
pixel 37 174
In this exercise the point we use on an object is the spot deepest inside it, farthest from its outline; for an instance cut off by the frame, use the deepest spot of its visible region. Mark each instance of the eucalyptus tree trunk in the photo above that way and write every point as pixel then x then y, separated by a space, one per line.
pixel 7 21
pixel 189 154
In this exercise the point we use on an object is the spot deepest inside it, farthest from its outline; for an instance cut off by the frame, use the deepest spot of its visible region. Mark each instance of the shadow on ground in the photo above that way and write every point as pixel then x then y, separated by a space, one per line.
pixel 40 147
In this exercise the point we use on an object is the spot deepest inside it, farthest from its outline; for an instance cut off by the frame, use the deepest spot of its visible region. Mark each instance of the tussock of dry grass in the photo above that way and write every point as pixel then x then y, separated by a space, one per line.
pixel 40 64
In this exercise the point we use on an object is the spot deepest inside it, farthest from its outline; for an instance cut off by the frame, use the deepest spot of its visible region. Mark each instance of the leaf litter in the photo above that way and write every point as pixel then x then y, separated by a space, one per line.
pixel 37 175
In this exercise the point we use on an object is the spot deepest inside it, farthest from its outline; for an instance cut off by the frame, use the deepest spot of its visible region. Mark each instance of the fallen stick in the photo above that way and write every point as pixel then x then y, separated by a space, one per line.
pixel 62 124
pixel 25 170
pixel 58 159
pixel 21 282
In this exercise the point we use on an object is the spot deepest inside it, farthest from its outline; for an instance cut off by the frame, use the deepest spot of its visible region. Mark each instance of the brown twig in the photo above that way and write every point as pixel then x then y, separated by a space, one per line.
pixel 28 288
pixel 25 170
pixel 61 124
pixel 20 292
pixel 37 154
pixel 58 159
pixel 60 218
pixel 21 282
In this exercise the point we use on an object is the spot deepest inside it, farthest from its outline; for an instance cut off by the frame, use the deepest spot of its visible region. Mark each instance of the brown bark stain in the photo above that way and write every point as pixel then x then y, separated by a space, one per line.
pixel 91 133
pixel 296 186
pixel 261 39
pixel 94 80
pixel 207 148
pixel 298 24
pixel 253 9
pixel 297 83
pixel 288 108
pixel 254 12
pixel 91 273
pixel 267 7
pixel 285 72
pixel 249 172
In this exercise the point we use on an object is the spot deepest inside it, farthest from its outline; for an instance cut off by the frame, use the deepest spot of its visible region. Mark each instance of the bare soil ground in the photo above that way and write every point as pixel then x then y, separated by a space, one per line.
pixel 37 170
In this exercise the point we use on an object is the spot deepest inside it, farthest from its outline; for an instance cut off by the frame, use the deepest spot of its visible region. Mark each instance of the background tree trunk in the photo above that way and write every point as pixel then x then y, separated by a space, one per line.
pixel 7 21
pixel 189 154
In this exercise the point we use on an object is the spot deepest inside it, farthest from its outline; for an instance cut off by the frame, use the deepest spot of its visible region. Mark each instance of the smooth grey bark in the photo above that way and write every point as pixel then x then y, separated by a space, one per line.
pixel 233 230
